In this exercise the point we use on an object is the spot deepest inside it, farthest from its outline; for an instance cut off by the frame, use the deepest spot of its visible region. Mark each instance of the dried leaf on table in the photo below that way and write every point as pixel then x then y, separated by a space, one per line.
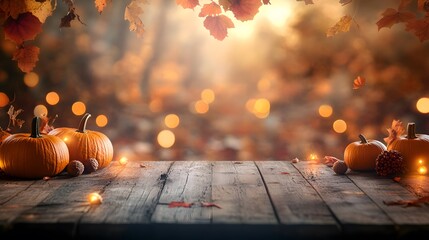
pixel 209 204
pixel 175 204
pixel 284 173
pixel 409 203
pixel 330 160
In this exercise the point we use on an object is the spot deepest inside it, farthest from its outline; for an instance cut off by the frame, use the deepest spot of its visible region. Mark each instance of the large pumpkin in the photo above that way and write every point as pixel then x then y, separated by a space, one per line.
pixel 33 155
pixel 361 155
pixel 3 135
pixel 413 147
pixel 84 144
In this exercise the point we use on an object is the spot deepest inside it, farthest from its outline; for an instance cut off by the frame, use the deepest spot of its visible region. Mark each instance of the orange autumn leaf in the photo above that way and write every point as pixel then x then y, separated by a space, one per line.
pixel 100 5
pixel 409 203
pixel 209 204
pixel 226 4
pixel 210 10
pixel 40 9
pixel 392 16
pixel 420 28
pixel 395 131
pixel 423 5
pixel 27 57
pixel 359 82
pixel 25 27
pixel 218 26
pixel 180 204
pixel 191 4
pixel 343 25
pixel 245 9
pixel 132 12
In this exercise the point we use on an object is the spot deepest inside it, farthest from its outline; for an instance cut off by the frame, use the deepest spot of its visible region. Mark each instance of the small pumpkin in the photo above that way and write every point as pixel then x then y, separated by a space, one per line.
pixel 361 155
pixel 3 135
pixel 85 144
pixel 413 147
pixel 33 155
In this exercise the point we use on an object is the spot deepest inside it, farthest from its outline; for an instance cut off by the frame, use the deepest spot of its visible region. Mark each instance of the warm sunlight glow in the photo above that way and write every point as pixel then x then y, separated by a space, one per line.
pixel 123 160
pixel 312 157
pixel 101 120
pixel 325 110
pixel 423 105
pixel 31 79
pixel 422 170
pixel 78 108
pixel 261 109
pixel 4 99
pixel 208 96
pixel 52 98
pixel 172 120
pixel 94 198
pixel 40 110
pixel 339 126
pixel 201 107
pixel 166 138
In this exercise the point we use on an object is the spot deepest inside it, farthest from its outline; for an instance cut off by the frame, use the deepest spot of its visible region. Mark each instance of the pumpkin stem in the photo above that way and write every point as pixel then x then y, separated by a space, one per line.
pixel 82 124
pixel 362 139
pixel 35 132
pixel 411 131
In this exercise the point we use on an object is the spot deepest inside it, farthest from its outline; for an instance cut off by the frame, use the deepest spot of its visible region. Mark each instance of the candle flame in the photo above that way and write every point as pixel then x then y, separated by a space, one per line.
pixel 313 156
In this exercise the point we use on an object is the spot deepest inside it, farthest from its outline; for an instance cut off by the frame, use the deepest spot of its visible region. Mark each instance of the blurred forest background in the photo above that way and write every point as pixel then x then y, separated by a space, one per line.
pixel 276 88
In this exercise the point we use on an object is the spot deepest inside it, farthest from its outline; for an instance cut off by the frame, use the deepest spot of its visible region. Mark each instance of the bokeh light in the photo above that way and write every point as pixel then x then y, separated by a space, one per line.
pixel 31 79
pixel 78 108
pixel 208 96
pixel 423 105
pixel 4 99
pixel 339 126
pixel 101 120
pixel 201 107
pixel 172 120
pixel 166 138
pixel 52 98
pixel 40 110
pixel 325 110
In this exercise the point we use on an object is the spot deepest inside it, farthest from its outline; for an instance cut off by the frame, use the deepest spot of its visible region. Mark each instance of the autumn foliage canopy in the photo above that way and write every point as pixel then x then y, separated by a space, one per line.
pixel 22 20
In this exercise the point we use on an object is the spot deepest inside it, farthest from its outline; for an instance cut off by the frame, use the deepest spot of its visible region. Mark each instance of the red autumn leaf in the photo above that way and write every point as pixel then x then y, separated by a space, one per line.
pixel 180 204
pixel 100 5
pixel 27 57
pixel 395 131
pixel 330 160
pixel 191 4
pixel 25 27
pixel 392 16
pixel 359 82
pixel 420 28
pixel 245 9
pixel 210 10
pixel 132 14
pixel 306 1
pixel 409 203
pixel 284 173
pixel 209 204
pixel 218 26
pixel 397 179
pixel 46 124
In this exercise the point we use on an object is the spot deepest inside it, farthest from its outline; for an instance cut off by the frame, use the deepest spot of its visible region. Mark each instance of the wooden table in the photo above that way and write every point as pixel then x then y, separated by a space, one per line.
pixel 257 200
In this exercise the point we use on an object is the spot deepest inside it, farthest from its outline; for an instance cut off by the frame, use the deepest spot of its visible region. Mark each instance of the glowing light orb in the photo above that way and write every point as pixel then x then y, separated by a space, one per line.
pixel 423 105
pixel 422 170
pixel 325 110
pixel 172 120
pixel 94 198
pixel 78 108
pixel 31 79
pixel 52 98
pixel 4 99
pixel 339 126
pixel 166 138
pixel 123 160
pixel 208 96
pixel 101 120
pixel 40 110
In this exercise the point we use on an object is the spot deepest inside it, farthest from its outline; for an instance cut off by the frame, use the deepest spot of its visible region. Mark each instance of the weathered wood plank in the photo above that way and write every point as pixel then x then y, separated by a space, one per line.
pixel 299 207
pixel 408 220
pixel 10 187
pixel 189 182
pixel 355 211
pixel 418 184
pixel 238 188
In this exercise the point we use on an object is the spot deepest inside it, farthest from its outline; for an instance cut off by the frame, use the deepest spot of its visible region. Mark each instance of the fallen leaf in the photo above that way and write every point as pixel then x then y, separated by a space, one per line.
pixel 100 5
pixel 25 27
pixel 132 12
pixel 397 179
pixel 392 16
pixel 359 82
pixel 142 166
pixel 209 204
pixel 408 203
pixel 343 25
pixel 46 178
pixel 218 26
pixel 330 160
pixel 395 131
pixel 420 28
pixel 27 57
pixel 180 204
pixel 306 1
pixel 44 125
pixel 284 173
pixel 191 4
pixel 210 10
pixel 245 9
pixel 238 162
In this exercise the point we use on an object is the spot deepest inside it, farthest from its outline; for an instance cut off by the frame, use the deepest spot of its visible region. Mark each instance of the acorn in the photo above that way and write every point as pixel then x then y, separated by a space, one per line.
pixel 340 167
pixel 91 165
pixel 75 168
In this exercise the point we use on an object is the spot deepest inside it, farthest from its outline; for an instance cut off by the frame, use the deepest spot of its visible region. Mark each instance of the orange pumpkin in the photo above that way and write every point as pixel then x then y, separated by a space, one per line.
pixel 413 147
pixel 33 155
pixel 361 155
pixel 3 135
pixel 84 144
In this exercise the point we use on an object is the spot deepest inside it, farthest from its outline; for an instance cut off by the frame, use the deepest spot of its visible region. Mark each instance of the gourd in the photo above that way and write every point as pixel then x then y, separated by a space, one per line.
pixel 32 155
pixel 361 155
pixel 85 144
pixel 413 147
